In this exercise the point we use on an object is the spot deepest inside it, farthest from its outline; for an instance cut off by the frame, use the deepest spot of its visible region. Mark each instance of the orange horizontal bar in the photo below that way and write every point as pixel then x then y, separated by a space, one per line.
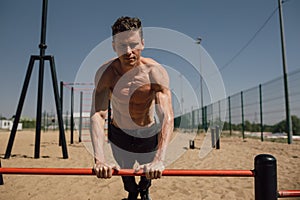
pixel 126 172
pixel 289 193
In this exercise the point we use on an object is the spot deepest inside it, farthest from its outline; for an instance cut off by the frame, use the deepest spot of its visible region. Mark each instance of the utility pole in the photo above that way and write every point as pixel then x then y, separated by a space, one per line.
pixel 286 88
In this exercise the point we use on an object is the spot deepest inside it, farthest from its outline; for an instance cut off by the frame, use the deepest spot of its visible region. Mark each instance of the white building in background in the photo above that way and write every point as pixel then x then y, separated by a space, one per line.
pixel 8 124
pixel 5 124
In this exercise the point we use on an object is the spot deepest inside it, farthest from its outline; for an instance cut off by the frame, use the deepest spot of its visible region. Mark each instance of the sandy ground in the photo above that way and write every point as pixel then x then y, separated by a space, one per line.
pixel 235 153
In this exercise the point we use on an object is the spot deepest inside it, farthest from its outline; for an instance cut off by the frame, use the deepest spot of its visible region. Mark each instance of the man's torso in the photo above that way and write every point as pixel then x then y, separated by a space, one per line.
pixel 132 97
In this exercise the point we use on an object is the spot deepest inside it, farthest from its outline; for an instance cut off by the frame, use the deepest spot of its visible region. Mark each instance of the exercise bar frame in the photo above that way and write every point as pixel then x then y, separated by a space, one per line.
pixel 265 175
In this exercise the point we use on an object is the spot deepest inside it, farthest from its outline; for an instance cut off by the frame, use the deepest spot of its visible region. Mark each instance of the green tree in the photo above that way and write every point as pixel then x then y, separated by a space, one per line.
pixel 281 126
pixel 296 125
pixel 28 123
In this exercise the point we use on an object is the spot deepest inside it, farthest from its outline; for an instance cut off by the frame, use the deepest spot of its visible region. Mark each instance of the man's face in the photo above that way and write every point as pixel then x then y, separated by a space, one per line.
pixel 128 46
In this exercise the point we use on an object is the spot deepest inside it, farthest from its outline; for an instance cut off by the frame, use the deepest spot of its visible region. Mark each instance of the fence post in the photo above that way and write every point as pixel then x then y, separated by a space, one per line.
pixel 66 119
pixel 229 109
pixel 212 137
pixel 61 105
pixel 205 119
pixel 243 122
pixel 44 120
pixel 61 95
pixel 219 120
pixel 72 116
pixel 265 179
pixel 193 119
pixel 218 135
pixel 261 114
pixel 80 116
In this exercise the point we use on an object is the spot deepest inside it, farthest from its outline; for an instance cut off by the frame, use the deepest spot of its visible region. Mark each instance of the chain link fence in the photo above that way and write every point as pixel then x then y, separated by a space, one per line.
pixel 256 112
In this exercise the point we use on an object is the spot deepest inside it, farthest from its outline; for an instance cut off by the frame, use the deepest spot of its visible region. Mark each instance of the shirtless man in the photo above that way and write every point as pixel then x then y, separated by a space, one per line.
pixel 138 90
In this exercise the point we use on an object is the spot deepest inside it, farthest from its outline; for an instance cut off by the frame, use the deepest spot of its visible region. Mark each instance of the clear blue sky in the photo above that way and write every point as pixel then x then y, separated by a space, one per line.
pixel 76 27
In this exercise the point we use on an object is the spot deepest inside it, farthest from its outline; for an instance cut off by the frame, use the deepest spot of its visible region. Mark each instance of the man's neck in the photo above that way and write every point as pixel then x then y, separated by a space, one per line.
pixel 126 68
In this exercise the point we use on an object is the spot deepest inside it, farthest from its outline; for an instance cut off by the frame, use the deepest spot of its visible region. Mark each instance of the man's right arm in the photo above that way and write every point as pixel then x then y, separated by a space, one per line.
pixel 98 135
pixel 101 96
pixel 98 115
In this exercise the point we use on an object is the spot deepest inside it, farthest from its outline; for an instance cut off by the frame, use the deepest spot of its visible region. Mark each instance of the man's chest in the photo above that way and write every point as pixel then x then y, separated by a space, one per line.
pixel 133 87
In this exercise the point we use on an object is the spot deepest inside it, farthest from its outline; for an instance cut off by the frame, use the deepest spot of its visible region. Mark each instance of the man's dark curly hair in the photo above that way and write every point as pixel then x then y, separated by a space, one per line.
pixel 126 23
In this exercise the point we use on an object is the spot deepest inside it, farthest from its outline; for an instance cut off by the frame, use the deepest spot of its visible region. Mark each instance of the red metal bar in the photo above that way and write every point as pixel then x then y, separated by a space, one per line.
pixel 126 172
pixel 288 193
pixel 131 172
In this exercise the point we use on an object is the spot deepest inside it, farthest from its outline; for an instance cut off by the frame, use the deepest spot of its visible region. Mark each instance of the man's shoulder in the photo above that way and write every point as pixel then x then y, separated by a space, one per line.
pixel 105 71
pixel 108 65
pixel 149 62
pixel 152 65
pixel 158 74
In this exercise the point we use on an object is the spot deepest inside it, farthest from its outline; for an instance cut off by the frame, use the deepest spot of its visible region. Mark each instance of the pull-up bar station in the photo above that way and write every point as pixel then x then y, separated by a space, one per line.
pixel 264 174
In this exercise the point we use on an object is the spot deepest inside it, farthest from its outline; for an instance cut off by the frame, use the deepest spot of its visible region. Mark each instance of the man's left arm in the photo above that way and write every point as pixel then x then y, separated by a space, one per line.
pixel 163 104
pixel 165 113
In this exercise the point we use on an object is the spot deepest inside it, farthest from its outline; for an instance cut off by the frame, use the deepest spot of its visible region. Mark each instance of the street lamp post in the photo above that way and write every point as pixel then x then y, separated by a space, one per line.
pixel 198 41
pixel 286 89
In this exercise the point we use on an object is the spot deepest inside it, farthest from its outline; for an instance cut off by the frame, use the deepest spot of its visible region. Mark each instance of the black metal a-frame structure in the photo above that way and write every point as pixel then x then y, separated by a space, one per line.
pixel 41 58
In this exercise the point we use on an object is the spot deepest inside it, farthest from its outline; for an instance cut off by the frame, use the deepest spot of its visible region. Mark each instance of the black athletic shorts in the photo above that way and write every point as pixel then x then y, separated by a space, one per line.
pixel 135 141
